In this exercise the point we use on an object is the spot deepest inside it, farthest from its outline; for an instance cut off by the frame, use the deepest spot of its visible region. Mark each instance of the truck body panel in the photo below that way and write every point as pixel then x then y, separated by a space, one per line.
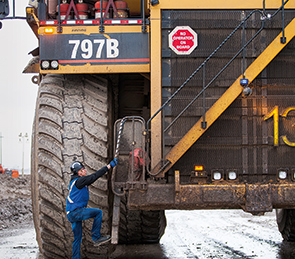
pixel 222 131
pixel 83 49
pixel 202 96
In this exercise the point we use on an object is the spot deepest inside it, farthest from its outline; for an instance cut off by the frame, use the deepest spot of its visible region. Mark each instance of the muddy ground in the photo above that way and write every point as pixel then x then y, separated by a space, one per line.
pixel 228 234
pixel 15 201
pixel 17 234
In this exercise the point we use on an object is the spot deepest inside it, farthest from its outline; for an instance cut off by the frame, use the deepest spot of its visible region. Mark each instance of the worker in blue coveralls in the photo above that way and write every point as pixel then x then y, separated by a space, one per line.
pixel 77 202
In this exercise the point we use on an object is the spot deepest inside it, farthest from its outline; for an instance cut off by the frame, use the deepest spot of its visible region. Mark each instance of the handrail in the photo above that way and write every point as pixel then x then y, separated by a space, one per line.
pixel 217 75
pixel 264 17
pixel 102 17
pixel 119 134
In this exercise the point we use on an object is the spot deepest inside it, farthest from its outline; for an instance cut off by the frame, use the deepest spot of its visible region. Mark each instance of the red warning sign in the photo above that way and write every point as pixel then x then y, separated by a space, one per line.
pixel 183 40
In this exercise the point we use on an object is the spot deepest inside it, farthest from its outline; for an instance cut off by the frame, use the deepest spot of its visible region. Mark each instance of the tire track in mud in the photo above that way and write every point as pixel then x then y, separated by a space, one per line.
pixel 267 241
pixel 212 248
pixel 177 247
pixel 227 250
pixel 220 234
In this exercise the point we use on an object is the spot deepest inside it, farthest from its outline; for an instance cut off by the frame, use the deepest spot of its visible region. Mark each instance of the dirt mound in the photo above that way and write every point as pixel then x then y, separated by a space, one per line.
pixel 15 200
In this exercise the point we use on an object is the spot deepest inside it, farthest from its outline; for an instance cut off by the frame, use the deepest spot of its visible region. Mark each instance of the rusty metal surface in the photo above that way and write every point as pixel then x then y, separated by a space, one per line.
pixel 258 198
pixel 253 198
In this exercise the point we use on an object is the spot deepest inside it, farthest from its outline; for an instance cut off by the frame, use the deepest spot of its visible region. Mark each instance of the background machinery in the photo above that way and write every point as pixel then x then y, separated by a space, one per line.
pixel 11 172
pixel 196 98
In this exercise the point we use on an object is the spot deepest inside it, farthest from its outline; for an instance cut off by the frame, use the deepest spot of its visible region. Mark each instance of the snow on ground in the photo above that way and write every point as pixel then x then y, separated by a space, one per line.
pixel 229 234
pixel 220 234
pixel 18 243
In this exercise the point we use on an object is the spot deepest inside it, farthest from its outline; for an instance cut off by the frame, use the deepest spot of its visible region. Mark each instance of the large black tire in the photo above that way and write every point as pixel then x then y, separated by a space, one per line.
pixel 71 123
pixel 286 223
pixel 140 227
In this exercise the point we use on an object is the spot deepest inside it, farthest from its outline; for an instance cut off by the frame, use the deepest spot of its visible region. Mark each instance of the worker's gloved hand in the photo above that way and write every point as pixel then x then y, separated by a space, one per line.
pixel 114 162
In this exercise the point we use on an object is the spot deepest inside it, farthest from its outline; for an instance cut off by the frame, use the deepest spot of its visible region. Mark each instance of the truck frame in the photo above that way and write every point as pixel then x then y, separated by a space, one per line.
pixel 194 98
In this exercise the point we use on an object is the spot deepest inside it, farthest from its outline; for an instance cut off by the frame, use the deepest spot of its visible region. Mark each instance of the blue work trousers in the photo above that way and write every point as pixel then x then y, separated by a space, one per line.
pixel 76 217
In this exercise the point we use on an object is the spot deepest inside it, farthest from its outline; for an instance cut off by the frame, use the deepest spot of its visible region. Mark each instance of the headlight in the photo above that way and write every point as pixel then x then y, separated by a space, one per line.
pixel 217 176
pixel 232 175
pixel 54 64
pixel 45 64
pixel 49 64
pixel 282 174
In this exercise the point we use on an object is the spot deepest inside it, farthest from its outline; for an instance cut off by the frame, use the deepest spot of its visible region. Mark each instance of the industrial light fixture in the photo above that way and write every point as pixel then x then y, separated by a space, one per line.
pixel 282 174
pixel 247 90
pixel 232 175
pixel 45 64
pixel 154 2
pixel 49 30
pixel 54 64
pixel 49 64
pixel 217 175
pixel 199 168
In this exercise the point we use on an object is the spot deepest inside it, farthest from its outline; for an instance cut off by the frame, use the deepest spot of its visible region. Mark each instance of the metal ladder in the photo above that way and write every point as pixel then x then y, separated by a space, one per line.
pixel 129 132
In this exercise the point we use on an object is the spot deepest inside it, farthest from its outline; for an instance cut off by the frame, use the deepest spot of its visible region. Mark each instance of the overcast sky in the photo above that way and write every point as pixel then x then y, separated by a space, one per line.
pixel 18 93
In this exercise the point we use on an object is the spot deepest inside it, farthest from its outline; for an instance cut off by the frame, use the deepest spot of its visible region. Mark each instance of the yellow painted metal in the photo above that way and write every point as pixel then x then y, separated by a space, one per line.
pixel 135 7
pixel 156 87
pixel 87 30
pixel 88 68
pixel 31 10
pixel 217 4
pixel 229 96
pixel 284 138
pixel 285 112
pixel 287 142
pixel 275 114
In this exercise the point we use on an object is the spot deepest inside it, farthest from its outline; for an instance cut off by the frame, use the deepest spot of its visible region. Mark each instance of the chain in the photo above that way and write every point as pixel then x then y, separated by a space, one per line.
pixel 116 156
pixel 119 136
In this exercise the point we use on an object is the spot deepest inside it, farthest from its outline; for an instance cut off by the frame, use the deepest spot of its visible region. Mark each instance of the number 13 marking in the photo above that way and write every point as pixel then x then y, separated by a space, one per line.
pixel 275 114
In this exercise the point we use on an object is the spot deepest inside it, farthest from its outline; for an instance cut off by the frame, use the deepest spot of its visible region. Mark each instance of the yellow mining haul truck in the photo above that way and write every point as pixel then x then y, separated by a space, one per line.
pixel 195 98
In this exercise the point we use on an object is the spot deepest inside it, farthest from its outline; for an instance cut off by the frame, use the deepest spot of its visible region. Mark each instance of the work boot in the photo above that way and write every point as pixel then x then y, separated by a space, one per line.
pixel 102 240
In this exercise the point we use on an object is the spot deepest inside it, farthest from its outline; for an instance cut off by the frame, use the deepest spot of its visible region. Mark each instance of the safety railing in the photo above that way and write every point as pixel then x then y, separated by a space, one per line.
pixel 135 137
pixel 105 13
pixel 202 68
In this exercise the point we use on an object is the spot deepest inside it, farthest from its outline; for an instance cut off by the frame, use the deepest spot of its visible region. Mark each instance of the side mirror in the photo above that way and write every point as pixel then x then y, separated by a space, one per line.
pixel 4 8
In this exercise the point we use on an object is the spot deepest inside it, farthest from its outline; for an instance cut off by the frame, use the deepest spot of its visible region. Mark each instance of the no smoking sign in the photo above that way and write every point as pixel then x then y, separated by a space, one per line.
pixel 183 40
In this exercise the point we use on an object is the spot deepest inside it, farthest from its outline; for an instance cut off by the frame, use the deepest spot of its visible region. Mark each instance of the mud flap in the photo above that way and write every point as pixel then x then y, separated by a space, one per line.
pixel 258 198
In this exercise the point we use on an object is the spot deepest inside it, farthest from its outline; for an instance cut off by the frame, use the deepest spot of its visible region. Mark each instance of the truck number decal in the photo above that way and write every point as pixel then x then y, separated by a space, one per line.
pixel 88 47
pixel 275 114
